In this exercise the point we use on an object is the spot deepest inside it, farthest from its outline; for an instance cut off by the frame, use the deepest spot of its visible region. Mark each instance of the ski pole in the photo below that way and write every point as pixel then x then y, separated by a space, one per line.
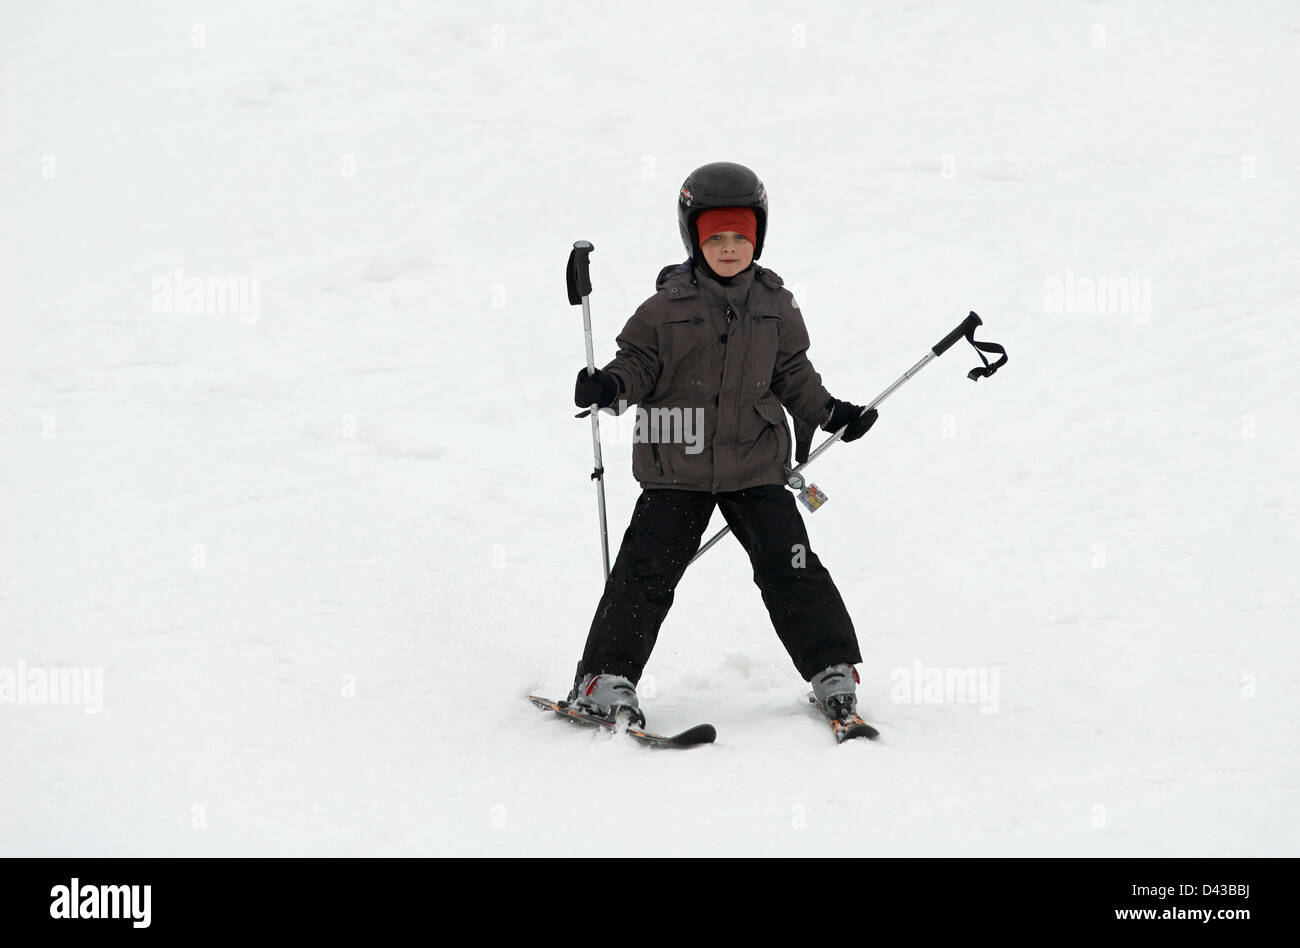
pixel 795 478
pixel 578 277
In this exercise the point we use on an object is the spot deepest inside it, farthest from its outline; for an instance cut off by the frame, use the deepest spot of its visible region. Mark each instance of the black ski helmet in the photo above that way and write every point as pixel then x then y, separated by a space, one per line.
pixel 720 184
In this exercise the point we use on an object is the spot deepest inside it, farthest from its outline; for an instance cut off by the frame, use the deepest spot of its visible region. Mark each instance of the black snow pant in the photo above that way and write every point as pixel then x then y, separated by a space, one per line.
pixel 667 525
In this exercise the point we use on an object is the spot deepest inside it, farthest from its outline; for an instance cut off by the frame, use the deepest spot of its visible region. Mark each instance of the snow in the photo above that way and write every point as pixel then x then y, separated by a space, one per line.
pixel 320 549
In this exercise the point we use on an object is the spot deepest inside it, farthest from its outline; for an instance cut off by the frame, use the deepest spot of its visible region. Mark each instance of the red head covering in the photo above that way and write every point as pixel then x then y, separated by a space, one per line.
pixel 738 219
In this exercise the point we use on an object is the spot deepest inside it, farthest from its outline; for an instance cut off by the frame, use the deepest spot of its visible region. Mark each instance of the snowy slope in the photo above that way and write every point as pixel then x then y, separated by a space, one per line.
pixel 303 542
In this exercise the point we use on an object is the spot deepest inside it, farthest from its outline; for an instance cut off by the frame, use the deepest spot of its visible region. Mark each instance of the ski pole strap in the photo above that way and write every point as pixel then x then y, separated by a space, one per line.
pixel 967 330
pixel 978 373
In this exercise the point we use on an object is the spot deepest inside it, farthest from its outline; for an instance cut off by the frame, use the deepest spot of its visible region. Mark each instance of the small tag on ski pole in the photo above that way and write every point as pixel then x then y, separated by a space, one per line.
pixel 811 497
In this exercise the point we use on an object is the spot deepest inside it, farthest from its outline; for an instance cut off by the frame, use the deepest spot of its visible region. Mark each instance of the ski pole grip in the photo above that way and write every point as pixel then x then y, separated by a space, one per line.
pixel 578 274
pixel 967 326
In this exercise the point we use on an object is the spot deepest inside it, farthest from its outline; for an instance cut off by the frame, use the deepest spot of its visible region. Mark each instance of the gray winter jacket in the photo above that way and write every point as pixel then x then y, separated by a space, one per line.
pixel 710 367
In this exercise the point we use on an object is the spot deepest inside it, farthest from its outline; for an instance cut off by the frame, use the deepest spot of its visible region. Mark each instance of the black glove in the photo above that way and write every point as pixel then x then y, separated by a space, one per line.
pixel 845 413
pixel 600 389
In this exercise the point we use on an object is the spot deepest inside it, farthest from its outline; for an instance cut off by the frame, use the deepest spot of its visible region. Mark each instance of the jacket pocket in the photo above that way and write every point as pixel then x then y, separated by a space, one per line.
pixel 683 334
pixel 772 413
pixel 686 355
pixel 767 341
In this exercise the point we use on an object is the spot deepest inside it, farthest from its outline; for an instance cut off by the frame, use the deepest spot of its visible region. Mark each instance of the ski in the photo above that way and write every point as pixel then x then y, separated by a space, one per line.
pixel 700 734
pixel 853 727
pixel 847 728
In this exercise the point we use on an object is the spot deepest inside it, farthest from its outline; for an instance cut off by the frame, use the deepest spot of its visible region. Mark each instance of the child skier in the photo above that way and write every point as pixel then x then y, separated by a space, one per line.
pixel 721 341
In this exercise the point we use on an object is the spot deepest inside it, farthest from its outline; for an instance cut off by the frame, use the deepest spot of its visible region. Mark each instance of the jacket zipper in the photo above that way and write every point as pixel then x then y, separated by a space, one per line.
pixel 654 449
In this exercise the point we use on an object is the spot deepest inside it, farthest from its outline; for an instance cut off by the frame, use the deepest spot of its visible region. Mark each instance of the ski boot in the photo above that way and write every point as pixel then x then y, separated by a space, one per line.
pixel 835 694
pixel 835 691
pixel 607 696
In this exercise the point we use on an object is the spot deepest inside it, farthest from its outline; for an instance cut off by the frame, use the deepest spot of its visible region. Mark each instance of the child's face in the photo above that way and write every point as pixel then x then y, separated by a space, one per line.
pixel 727 253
